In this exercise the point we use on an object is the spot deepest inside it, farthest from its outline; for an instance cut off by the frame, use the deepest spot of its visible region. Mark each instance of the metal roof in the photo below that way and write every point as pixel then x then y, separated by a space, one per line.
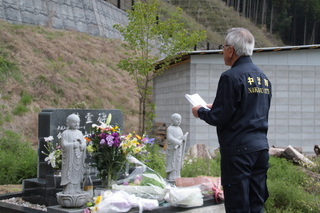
pixel 185 56
pixel 256 50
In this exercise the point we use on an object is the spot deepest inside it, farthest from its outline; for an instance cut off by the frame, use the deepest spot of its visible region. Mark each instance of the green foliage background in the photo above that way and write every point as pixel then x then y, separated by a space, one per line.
pixel 18 160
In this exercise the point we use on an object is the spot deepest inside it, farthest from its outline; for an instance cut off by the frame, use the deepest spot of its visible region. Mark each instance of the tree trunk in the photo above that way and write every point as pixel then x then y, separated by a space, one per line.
pixel 305 30
pixel 271 20
pixel 256 12
pixel 228 3
pixel 244 8
pixel 140 114
pixel 294 29
pixel 263 13
pixel 292 154
pixel 312 38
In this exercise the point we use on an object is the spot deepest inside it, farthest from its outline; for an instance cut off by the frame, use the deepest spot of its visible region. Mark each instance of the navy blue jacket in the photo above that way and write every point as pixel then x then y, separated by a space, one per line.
pixel 241 108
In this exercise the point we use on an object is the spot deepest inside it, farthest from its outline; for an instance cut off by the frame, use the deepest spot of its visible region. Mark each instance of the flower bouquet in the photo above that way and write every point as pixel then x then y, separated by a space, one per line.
pixel 54 155
pixel 105 148
pixel 137 146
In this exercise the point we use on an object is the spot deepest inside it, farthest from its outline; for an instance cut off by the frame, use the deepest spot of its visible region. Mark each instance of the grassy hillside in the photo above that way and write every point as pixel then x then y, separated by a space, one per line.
pixel 216 18
pixel 47 68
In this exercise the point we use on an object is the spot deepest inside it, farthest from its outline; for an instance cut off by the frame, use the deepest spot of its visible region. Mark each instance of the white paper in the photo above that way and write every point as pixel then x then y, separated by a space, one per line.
pixel 196 100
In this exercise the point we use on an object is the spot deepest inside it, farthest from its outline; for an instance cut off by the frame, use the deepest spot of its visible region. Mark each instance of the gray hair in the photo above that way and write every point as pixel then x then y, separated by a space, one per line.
pixel 241 40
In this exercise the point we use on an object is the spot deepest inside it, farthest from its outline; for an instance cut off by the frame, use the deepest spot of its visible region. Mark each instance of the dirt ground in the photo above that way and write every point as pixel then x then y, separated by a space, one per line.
pixel 10 188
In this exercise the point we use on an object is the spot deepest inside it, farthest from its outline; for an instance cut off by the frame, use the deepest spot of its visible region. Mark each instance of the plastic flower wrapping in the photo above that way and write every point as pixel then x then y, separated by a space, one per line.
pixel 54 155
pixel 142 182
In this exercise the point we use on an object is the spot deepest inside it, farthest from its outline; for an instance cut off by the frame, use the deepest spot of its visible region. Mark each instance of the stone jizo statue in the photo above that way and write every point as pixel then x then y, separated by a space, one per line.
pixel 73 148
pixel 176 143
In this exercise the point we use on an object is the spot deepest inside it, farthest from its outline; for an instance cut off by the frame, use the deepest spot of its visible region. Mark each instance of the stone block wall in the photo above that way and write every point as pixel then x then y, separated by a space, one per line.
pixel 94 17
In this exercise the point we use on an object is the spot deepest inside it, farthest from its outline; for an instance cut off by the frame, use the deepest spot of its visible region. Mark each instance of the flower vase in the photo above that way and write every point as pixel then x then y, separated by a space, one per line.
pixel 57 173
pixel 127 169
pixel 107 182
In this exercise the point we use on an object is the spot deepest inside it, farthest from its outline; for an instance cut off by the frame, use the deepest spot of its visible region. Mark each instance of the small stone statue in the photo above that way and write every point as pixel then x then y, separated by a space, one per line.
pixel 176 143
pixel 73 148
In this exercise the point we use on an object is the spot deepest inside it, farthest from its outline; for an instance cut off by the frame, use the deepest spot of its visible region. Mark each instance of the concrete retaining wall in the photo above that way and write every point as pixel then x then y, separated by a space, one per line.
pixel 94 17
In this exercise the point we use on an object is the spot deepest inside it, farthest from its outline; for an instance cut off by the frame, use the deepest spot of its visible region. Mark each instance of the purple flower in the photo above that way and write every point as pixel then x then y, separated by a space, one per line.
pixel 103 135
pixel 147 140
pixel 110 140
pixel 103 141
pixel 115 134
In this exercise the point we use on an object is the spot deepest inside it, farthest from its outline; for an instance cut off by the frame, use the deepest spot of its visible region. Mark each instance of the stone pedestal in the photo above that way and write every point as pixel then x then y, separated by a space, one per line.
pixel 72 200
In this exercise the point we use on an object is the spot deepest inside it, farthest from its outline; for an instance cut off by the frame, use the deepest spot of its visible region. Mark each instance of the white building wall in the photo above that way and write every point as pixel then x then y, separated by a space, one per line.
pixel 294 113
pixel 295 107
pixel 168 94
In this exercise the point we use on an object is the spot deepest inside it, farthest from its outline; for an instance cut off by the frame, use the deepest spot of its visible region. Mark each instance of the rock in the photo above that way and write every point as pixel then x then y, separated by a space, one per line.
pixel 213 151
pixel 277 152
pixel 316 149
pixel 199 151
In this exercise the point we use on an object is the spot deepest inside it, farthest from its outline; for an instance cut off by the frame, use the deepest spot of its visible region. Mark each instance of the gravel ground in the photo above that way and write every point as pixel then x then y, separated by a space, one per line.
pixel 20 202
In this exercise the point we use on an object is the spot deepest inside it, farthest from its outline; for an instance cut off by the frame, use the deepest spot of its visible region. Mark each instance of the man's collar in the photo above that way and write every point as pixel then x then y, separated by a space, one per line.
pixel 242 59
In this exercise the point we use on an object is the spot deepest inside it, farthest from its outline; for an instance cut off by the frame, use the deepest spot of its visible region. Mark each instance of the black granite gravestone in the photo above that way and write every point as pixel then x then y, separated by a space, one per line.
pixel 52 122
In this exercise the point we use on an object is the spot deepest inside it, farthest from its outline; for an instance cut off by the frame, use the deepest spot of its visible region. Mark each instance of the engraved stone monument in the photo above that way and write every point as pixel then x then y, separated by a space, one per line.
pixel 52 122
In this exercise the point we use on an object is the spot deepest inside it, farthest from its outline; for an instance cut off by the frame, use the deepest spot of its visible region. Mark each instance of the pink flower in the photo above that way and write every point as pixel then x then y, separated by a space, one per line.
pixel 138 178
pixel 86 211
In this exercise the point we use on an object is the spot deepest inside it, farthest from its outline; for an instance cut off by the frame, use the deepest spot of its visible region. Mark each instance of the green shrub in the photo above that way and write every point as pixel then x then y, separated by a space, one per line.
pixel 18 160
pixel 156 159
pixel 286 183
pixel 194 167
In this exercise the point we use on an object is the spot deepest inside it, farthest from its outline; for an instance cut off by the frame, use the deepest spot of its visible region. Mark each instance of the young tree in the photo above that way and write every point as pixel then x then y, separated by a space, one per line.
pixel 149 38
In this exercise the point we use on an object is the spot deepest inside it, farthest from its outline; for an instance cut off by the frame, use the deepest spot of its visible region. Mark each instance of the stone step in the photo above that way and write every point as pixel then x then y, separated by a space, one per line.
pixel 208 209
pixel 218 208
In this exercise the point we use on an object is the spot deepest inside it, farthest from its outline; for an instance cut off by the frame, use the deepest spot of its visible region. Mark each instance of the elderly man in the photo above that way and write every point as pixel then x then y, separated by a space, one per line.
pixel 240 113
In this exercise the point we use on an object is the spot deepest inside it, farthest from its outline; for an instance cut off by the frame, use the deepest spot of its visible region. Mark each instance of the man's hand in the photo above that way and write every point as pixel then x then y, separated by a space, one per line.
pixel 195 111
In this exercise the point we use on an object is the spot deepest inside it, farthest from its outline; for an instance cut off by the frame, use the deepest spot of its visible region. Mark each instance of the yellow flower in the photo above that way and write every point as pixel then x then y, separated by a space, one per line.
pixel 128 136
pixel 94 209
pixel 98 200
pixel 90 149
pixel 124 145
pixel 114 129
pixel 137 150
